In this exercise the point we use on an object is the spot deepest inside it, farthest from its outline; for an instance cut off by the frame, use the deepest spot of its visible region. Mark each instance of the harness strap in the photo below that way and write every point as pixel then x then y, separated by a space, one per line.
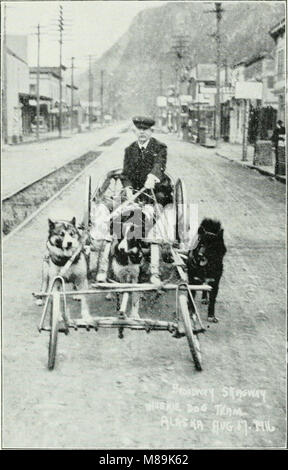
pixel 62 260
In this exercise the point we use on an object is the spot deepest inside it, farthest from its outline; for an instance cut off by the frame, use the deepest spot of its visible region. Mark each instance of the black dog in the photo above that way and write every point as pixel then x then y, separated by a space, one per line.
pixel 205 261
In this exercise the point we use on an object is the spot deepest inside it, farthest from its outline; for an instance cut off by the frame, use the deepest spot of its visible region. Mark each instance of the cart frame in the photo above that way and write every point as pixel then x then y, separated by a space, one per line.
pixel 187 322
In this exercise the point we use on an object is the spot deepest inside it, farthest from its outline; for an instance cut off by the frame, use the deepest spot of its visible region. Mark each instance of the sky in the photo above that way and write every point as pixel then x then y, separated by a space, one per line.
pixel 92 27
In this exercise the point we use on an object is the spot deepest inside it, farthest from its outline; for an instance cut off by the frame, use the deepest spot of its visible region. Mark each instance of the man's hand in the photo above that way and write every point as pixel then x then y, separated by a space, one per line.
pixel 151 181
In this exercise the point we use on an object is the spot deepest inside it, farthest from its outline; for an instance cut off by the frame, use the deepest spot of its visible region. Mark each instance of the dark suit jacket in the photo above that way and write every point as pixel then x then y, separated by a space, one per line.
pixel 136 167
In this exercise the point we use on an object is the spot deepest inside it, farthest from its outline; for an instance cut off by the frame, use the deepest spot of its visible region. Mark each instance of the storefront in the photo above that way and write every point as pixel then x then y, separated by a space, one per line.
pixel 202 116
pixel 29 113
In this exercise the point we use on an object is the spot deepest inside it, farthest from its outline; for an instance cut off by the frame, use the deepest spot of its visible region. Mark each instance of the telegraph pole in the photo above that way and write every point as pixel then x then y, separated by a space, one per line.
pixel 226 71
pixel 180 53
pixel 61 28
pixel 245 129
pixel 4 87
pixel 72 91
pixel 38 83
pixel 218 10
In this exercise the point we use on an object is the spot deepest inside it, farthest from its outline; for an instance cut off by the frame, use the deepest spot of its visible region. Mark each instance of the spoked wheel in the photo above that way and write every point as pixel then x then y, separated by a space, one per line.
pixel 180 202
pixel 192 338
pixel 87 202
pixel 87 211
pixel 55 317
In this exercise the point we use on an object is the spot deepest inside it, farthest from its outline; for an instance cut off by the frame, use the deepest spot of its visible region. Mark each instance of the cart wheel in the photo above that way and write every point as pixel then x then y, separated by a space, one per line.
pixel 87 212
pixel 55 315
pixel 87 202
pixel 180 202
pixel 192 338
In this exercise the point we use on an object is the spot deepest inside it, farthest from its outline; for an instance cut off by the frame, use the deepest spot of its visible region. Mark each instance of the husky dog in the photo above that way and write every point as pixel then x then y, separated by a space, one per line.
pixel 64 240
pixel 126 259
pixel 205 261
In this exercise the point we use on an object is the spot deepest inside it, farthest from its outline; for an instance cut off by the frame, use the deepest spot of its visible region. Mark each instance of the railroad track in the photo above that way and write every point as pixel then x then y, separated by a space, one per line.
pixel 20 207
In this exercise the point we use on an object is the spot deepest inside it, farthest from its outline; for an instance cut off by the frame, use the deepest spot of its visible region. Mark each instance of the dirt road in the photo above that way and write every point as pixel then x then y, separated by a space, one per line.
pixel 143 391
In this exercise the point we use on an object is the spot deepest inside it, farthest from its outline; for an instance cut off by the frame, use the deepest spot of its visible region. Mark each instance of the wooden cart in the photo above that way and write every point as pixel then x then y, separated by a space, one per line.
pixel 56 319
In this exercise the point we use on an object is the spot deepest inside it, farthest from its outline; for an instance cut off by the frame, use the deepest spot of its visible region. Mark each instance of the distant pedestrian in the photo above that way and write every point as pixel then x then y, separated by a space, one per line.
pixel 278 134
pixel 278 140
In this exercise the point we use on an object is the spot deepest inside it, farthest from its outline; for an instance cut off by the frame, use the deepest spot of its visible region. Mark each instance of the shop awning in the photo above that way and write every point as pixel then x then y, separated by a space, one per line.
pixel 29 96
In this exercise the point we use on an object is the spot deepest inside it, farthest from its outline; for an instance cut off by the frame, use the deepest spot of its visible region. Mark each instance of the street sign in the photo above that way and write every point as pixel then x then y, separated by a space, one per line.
pixel 208 90
pixel 248 90
pixel 173 100
pixel 185 99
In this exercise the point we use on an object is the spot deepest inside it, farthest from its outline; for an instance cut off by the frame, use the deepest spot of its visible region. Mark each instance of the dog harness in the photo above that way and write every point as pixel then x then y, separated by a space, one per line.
pixel 59 260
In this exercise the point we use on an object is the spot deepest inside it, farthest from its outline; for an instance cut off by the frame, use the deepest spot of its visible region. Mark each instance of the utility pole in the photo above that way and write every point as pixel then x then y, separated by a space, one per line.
pixel 226 72
pixel 90 97
pixel 245 129
pixel 72 92
pixel 180 54
pixel 101 95
pixel 218 10
pixel 38 83
pixel 4 87
pixel 61 28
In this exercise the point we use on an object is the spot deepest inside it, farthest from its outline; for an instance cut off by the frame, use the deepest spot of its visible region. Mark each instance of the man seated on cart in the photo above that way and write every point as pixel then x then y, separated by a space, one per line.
pixel 145 163
pixel 144 167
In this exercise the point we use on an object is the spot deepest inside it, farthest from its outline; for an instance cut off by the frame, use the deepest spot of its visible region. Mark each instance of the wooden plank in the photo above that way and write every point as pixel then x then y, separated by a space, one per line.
pixel 124 303
pixel 105 288
pixel 114 322
pixel 180 265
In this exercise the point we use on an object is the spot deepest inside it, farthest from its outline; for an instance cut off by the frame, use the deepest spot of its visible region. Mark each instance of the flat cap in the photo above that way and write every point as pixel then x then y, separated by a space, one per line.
pixel 143 122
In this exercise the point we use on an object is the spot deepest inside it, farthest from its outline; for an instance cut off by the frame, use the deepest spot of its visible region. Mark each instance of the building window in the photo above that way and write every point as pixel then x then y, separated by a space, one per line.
pixel 280 63
pixel 270 82
pixel 32 88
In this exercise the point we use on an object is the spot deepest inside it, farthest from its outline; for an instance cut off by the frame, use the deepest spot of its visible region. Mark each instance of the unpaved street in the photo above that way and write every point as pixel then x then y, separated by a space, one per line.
pixel 143 391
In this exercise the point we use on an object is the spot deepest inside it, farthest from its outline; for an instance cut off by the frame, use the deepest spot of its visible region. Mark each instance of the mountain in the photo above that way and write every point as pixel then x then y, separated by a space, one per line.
pixel 143 60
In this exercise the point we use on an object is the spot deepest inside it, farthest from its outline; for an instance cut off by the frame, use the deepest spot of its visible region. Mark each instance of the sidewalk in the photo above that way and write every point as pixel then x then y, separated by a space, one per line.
pixel 233 152
pixel 24 163
pixel 44 136
pixel 53 135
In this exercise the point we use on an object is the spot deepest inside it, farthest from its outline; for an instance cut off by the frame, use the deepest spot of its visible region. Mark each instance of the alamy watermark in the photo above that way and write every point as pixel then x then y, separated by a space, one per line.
pixel 169 223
